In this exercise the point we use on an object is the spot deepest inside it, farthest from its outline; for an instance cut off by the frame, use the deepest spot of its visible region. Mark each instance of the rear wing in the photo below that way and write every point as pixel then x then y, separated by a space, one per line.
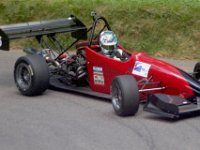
pixel 38 29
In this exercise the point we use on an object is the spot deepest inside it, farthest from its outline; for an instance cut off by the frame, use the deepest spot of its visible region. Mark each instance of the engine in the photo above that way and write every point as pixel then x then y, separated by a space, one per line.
pixel 71 69
pixel 74 69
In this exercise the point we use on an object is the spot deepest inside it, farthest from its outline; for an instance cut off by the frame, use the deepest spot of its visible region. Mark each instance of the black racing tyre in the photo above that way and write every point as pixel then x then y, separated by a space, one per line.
pixel 197 71
pixel 31 75
pixel 125 95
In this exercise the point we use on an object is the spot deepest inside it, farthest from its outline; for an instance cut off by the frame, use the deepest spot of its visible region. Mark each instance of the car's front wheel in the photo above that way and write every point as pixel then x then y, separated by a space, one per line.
pixel 31 75
pixel 197 71
pixel 125 95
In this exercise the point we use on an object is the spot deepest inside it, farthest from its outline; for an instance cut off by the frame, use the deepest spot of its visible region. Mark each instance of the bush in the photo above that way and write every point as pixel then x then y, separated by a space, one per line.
pixel 164 28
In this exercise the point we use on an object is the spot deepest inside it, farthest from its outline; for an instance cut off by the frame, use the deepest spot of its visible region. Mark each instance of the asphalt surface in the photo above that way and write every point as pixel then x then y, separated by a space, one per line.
pixel 67 121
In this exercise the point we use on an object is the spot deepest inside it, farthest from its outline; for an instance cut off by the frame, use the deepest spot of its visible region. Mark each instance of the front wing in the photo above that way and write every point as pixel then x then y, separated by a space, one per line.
pixel 170 106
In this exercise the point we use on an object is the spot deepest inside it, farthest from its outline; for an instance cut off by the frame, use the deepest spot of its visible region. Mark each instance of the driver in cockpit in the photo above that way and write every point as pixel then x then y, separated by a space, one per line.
pixel 108 45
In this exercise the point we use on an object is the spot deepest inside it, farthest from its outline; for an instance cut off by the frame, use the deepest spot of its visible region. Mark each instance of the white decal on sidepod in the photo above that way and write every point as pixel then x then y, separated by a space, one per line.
pixel 98 75
pixel 98 79
pixel 141 69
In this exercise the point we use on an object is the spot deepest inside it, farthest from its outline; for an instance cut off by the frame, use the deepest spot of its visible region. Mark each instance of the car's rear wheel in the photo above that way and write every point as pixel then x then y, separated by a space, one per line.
pixel 31 75
pixel 125 95
pixel 197 71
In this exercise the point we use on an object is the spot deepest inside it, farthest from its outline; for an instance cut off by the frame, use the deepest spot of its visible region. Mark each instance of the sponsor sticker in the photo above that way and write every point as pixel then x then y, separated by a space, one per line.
pixel 98 70
pixel 141 69
pixel 98 75
pixel 98 79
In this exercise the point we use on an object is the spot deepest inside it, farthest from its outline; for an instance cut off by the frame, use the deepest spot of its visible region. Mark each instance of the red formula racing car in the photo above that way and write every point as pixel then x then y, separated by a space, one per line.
pixel 166 89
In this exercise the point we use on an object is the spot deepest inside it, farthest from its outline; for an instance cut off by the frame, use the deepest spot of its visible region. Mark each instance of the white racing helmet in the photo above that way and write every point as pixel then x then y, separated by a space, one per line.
pixel 108 42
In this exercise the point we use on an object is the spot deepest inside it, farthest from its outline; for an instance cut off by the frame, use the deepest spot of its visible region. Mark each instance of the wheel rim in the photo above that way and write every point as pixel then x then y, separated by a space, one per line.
pixel 23 76
pixel 116 97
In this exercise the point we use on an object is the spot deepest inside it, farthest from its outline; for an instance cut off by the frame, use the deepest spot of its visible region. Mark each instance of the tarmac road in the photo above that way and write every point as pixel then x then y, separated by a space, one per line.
pixel 66 121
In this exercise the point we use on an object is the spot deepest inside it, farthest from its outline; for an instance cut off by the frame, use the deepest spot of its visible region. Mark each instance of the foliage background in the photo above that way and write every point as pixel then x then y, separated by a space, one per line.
pixel 163 28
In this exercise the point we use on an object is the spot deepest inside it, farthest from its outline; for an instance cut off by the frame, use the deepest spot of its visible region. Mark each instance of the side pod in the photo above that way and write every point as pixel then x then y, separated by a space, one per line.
pixel 169 106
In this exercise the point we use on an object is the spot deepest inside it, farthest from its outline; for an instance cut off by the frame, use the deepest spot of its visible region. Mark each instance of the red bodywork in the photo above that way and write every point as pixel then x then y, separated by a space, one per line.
pixel 161 73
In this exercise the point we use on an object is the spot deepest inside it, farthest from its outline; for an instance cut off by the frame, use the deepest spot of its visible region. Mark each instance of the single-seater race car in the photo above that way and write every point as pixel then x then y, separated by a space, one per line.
pixel 167 90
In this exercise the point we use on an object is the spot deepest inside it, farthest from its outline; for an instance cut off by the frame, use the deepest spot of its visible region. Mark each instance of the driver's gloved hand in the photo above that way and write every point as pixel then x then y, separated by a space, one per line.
pixel 118 53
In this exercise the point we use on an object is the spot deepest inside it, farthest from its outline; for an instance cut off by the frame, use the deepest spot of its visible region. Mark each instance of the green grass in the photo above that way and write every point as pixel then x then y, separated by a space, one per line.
pixel 164 28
